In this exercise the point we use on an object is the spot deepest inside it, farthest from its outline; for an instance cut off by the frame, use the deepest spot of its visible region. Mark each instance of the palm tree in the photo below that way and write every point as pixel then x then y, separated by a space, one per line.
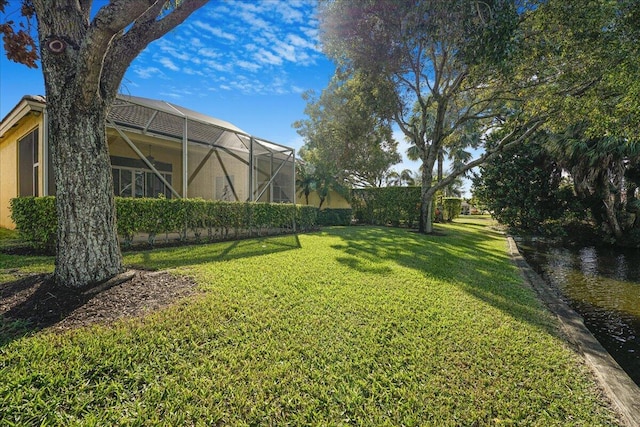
pixel 406 177
pixel 393 179
pixel 326 182
pixel 598 169
pixel 306 181
pixel 454 189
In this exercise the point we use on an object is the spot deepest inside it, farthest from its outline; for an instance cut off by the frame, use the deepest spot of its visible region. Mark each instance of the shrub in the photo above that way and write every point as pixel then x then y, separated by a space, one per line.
pixel 452 207
pixel 394 205
pixel 36 221
pixel 335 217
pixel 35 218
pixel 306 217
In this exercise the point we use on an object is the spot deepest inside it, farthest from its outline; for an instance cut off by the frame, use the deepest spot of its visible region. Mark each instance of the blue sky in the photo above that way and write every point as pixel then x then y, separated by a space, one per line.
pixel 244 61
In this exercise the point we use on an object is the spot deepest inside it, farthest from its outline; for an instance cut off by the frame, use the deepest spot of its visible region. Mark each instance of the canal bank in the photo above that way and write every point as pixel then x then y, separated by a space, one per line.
pixel 618 386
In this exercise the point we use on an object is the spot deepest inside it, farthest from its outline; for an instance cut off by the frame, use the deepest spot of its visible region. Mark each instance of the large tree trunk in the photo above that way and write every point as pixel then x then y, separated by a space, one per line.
pixel 85 54
pixel 87 248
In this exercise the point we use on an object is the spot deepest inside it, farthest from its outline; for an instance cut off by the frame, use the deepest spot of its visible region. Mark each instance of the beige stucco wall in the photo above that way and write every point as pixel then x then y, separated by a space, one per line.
pixel 205 170
pixel 9 164
pixel 333 201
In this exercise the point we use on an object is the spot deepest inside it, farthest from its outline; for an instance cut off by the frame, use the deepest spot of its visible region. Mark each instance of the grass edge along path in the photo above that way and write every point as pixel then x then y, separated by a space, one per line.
pixel 349 326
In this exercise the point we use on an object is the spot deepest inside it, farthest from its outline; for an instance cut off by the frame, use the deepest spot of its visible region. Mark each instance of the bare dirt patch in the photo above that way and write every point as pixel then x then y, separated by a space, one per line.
pixel 37 303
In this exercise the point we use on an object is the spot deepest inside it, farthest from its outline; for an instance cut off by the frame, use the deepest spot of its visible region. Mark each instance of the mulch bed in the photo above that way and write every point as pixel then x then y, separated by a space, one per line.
pixel 38 303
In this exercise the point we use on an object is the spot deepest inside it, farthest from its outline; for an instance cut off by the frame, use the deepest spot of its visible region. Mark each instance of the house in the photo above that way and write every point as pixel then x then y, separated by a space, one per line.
pixel 468 209
pixel 156 148
pixel 334 200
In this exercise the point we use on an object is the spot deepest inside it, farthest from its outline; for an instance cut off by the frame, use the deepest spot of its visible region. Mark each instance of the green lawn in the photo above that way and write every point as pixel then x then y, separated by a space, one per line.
pixel 349 326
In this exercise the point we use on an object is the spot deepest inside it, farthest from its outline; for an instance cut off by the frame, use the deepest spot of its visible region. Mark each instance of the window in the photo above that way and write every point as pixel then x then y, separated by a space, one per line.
pixel 139 183
pixel 29 164
pixel 131 178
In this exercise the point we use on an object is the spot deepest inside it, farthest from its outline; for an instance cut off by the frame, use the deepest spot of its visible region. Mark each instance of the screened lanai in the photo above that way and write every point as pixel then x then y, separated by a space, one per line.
pixel 161 148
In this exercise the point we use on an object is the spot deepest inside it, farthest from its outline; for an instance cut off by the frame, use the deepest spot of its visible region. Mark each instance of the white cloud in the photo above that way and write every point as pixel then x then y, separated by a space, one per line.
pixel 254 21
pixel 208 52
pixel 218 66
pixel 171 49
pixel 311 32
pixel 267 57
pixel 215 31
pixel 171 95
pixel 300 42
pixel 220 11
pixel 147 72
pixel 285 51
pixel 247 65
pixel 288 13
pixel 248 46
pixel 192 72
pixel 168 63
pixel 196 42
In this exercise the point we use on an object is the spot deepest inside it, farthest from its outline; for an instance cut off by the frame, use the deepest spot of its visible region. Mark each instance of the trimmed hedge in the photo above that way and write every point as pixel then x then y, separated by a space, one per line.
pixel 335 216
pixel 36 221
pixel 35 218
pixel 452 207
pixel 387 205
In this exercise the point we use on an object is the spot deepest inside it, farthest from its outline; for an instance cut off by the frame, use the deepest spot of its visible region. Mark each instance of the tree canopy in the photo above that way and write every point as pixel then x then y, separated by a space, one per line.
pixel 584 57
pixel 346 134
pixel 440 67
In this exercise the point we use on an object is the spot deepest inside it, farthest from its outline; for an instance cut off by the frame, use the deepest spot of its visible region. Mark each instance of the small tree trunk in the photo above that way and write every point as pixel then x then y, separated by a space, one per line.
pixel 87 248
pixel 426 196
pixel 612 220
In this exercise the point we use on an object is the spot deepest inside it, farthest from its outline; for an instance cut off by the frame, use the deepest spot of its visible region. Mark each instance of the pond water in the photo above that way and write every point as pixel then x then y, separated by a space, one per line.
pixel 602 284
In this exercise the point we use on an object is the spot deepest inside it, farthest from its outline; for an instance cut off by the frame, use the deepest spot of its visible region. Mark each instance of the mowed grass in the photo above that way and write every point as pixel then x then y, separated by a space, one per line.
pixel 349 326
pixel 13 267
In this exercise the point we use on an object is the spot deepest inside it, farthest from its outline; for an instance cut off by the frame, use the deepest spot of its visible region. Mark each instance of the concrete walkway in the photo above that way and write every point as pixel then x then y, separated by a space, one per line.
pixel 619 388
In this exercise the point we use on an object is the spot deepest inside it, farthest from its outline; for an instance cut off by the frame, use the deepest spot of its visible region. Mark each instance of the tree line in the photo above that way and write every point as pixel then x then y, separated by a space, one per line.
pixel 474 80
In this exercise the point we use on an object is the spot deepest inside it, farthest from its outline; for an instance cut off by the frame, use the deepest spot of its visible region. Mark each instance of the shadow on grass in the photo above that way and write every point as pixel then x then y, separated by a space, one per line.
pixel 34 302
pixel 201 254
pixel 459 254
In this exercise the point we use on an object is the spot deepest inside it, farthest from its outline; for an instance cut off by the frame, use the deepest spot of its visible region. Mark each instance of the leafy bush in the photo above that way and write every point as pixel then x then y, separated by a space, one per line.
pixel 335 217
pixel 394 205
pixel 452 207
pixel 36 221
pixel 306 217
pixel 35 218
pixel 523 188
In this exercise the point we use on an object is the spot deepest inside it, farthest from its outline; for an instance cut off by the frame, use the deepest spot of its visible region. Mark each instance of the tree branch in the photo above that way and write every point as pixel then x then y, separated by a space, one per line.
pixel 110 20
pixel 146 28
pixel 85 6
pixel 504 144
